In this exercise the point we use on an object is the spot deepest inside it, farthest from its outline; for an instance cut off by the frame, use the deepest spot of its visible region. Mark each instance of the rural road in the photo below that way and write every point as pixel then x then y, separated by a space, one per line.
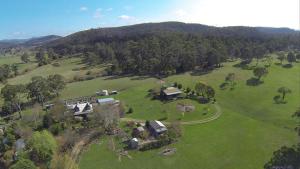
pixel 217 114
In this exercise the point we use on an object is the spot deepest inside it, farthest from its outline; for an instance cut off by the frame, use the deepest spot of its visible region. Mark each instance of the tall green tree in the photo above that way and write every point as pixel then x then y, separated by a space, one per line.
pixel 230 79
pixel 25 58
pixel 284 91
pixel 281 56
pixel 260 72
pixel 200 88
pixel 56 83
pixel 42 146
pixel 42 58
pixel 38 89
pixel 291 58
pixel 14 94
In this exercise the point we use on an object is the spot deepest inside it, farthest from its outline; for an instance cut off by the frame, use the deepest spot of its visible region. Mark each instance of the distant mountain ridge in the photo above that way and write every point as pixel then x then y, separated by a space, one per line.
pixel 31 42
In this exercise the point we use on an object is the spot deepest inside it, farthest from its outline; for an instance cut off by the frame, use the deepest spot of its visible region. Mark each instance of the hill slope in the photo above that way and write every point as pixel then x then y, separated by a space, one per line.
pixel 133 31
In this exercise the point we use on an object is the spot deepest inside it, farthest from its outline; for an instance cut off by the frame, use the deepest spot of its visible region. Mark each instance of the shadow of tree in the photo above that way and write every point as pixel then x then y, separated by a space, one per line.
pixel 200 72
pixel 287 66
pixel 223 86
pixel 278 100
pixel 254 82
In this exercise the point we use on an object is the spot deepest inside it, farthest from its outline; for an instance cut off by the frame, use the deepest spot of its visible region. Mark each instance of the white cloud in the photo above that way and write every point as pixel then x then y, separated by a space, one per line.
pixel 126 17
pixel 273 13
pixel 128 7
pixel 83 8
pixel 109 9
pixel 98 13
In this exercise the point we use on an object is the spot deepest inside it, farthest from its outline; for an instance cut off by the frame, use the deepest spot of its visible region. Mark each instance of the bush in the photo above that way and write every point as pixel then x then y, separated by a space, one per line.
pixel 56 64
pixel 90 78
pixel 89 72
pixel 179 86
pixel 130 111
pixel 56 129
pixel 278 100
pixel 24 164
pixel 163 140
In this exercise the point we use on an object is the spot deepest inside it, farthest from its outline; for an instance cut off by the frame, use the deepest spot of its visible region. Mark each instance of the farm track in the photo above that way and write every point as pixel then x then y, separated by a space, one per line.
pixel 217 114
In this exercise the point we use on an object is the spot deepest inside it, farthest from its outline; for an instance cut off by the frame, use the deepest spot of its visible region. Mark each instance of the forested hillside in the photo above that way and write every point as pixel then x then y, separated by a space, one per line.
pixel 172 47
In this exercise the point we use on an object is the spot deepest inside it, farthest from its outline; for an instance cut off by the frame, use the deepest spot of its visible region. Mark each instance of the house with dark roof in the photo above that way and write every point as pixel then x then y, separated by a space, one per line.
pixel 157 128
pixel 81 108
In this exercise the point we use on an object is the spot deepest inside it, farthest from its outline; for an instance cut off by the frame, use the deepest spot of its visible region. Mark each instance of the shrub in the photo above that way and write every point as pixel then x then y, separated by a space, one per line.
pixel 89 72
pixel 179 86
pixel 56 64
pixel 277 99
pixel 130 111
pixel 56 129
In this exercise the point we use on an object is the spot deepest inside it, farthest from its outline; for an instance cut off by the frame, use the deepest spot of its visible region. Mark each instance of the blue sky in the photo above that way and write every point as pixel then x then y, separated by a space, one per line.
pixel 32 18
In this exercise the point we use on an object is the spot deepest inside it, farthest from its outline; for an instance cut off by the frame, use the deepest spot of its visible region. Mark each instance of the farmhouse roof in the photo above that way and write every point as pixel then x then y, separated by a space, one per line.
pixel 105 100
pixel 82 108
pixel 158 126
pixel 172 91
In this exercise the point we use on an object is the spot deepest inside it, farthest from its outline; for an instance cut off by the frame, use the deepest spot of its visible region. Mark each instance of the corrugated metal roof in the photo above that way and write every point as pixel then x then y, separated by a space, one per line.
pixel 105 100
pixel 172 91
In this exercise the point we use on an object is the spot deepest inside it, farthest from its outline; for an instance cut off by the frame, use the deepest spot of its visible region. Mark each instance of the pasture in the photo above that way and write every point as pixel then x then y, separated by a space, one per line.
pixel 250 129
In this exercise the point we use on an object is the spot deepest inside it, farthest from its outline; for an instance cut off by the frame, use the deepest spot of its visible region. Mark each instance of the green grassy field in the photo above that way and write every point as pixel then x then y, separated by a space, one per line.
pixel 250 129
pixel 16 60
pixel 68 68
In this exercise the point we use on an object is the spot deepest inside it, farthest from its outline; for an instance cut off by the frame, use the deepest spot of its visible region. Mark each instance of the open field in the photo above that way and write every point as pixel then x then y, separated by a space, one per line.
pixel 16 60
pixel 250 129
pixel 68 68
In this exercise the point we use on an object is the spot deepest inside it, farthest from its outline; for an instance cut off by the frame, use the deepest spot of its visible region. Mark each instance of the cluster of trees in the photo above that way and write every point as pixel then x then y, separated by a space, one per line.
pixel 229 82
pixel 205 91
pixel 7 71
pixel 260 72
pixel 25 57
pixel 291 57
pixel 168 48
pixel 39 148
pixel 39 90
pixel 286 157
pixel 44 57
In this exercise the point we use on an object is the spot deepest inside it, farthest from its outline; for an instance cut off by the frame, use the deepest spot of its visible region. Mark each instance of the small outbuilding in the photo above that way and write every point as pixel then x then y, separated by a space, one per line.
pixel 137 132
pixel 157 128
pixel 103 93
pixel 134 143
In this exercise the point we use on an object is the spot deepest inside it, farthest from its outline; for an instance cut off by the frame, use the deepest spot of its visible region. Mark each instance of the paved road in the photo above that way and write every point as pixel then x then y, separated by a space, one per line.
pixel 217 114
